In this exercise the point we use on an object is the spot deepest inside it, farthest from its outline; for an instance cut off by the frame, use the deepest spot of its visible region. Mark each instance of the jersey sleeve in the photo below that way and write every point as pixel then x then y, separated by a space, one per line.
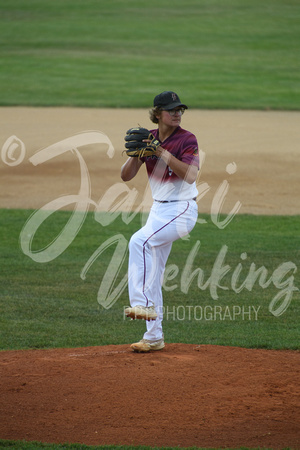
pixel 190 154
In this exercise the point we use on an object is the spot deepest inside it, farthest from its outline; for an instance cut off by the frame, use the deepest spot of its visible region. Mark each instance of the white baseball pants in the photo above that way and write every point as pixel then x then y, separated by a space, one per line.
pixel 149 249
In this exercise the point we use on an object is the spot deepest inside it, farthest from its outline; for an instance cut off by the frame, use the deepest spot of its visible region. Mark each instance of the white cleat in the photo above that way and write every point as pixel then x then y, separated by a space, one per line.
pixel 146 346
pixel 141 312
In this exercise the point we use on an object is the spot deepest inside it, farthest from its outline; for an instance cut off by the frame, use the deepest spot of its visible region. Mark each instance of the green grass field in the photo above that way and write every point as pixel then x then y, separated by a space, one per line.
pixel 21 445
pixel 49 304
pixel 216 54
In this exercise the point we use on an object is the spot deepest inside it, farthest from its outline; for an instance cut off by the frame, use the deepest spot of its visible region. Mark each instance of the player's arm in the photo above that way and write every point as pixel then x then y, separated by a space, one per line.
pixel 130 168
pixel 183 170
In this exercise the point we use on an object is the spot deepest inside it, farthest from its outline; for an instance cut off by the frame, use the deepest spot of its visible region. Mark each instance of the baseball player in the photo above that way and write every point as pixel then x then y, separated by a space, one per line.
pixel 172 167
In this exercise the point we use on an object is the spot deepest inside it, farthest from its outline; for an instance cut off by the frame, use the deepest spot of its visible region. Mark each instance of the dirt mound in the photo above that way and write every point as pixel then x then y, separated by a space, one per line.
pixel 184 395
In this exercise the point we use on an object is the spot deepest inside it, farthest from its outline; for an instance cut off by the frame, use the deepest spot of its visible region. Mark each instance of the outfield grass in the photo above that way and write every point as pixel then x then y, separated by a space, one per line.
pixel 22 445
pixel 216 54
pixel 50 305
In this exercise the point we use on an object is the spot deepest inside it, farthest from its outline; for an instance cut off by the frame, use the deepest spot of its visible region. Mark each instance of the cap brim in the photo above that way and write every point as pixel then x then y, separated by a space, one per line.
pixel 175 105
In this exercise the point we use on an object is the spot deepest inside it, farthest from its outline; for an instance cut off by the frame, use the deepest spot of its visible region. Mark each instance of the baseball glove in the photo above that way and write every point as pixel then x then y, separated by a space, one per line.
pixel 134 142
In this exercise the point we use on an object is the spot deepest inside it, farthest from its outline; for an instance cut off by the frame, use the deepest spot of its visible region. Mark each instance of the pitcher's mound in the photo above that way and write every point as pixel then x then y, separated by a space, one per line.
pixel 184 395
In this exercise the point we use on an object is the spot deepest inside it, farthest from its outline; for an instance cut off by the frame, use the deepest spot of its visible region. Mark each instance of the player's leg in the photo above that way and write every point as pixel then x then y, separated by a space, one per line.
pixel 154 328
pixel 149 249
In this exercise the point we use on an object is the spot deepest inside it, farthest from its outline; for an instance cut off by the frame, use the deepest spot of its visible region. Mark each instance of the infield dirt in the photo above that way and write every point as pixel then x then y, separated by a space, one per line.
pixel 184 395
pixel 265 147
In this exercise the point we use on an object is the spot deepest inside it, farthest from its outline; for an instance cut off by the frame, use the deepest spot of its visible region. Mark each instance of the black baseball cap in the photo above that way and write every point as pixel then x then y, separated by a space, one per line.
pixel 168 100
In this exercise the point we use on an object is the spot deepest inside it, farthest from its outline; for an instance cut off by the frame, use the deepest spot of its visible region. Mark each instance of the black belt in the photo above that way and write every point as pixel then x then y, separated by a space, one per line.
pixel 171 201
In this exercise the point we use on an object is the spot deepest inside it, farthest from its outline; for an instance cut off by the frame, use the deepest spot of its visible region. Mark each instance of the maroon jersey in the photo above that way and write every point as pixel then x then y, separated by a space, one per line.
pixel 165 184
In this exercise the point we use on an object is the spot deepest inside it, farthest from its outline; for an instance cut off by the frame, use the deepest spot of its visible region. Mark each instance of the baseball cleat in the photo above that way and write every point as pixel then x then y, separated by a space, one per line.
pixel 141 312
pixel 146 346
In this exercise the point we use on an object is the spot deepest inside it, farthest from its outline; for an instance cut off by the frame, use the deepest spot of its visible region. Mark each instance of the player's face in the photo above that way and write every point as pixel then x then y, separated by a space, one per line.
pixel 171 118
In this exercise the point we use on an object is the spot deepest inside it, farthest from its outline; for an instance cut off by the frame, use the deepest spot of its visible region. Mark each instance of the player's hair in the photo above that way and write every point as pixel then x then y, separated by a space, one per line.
pixel 154 112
